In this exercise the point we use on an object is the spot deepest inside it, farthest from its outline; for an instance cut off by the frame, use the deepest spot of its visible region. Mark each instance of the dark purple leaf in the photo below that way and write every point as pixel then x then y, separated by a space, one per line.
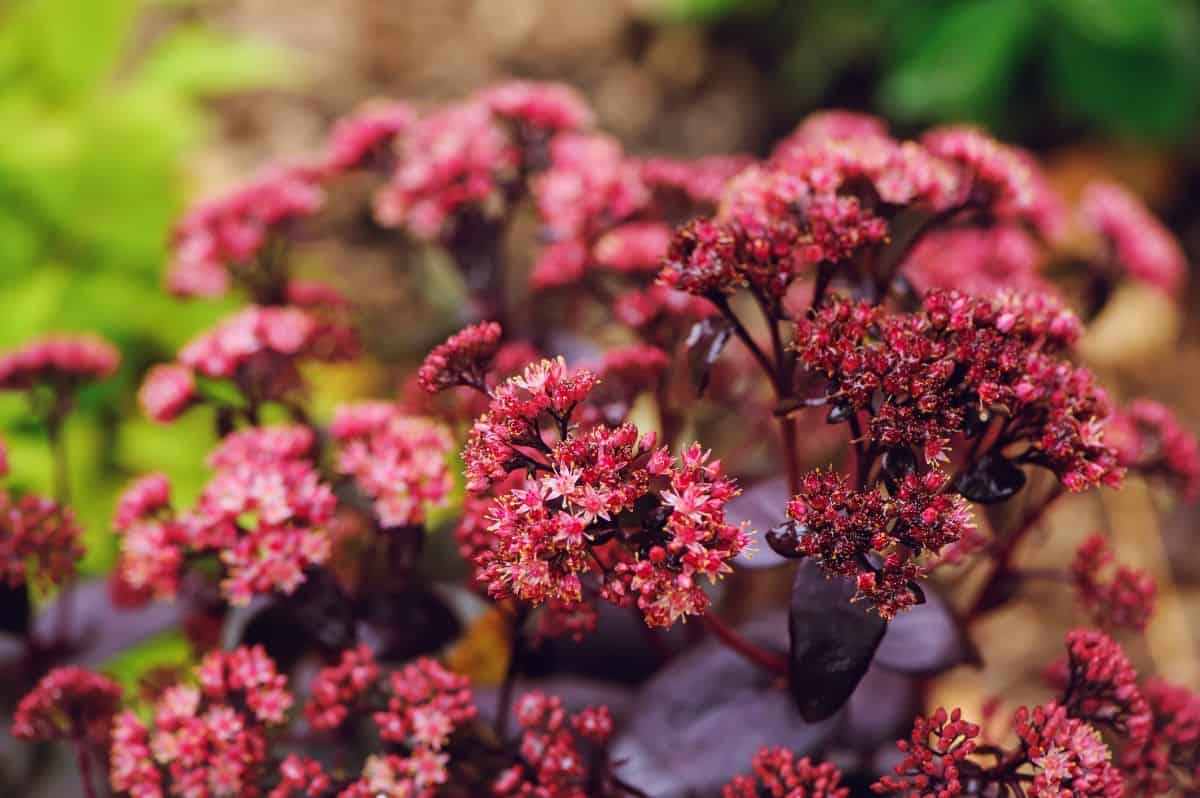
pixel 832 641
pixel 699 722
pixel 96 630
pixel 15 610
pixel 927 639
pixel 407 622
pixel 705 341
pixel 784 539
pixel 991 480
pixel 761 507
pixel 880 711
pixel 622 649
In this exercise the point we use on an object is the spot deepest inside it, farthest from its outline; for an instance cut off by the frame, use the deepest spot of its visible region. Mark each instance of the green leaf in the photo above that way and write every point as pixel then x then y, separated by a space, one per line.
pixel 1119 23
pixel 198 62
pixel 72 46
pixel 169 650
pixel 963 64
pixel 1149 93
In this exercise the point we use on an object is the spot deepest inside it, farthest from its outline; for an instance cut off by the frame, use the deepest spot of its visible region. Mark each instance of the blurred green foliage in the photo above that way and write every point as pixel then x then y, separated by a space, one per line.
pixel 98 109
pixel 1027 68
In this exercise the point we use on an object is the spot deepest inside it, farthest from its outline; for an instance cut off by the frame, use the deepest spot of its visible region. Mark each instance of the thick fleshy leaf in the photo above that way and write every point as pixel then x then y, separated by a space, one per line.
pixel 927 639
pixel 622 649
pixel 408 623
pixel 991 480
pixel 15 609
pixel 761 508
pixel 699 722
pixel 96 630
pixel 705 341
pixel 880 711
pixel 832 641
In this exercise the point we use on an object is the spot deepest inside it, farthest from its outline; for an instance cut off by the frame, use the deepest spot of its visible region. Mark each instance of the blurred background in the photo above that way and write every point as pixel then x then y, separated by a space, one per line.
pixel 116 113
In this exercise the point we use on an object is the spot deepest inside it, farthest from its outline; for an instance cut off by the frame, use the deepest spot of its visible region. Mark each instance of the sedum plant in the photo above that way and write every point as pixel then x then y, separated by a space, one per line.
pixel 848 364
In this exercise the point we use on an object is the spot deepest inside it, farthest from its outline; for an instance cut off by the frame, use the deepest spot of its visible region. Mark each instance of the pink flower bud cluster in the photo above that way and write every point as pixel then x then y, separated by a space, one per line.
pixel 555 760
pixel 464 359
pixel 1102 686
pixel 977 260
pixel 771 228
pixel 207 739
pixel 264 511
pixel 58 360
pixel 833 149
pixel 876 538
pixel 1169 758
pixel 1150 438
pixel 502 439
pixel 258 347
pixel 589 186
pixel 364 140
pixel 230 236
pixel 701 181
pixel 420 706
pixel 399 461
pixel 1125 599
pixel 39 541
pixel 1138 244
pixel 68 703
pixel 922 375
pixel 1003 179
pixel 778 774
pixel 935 757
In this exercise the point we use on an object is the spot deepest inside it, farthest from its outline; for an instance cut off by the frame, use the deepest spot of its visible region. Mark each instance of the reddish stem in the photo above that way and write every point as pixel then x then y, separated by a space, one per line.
pixel 1008 548
pixel 767 660
pixel 85 768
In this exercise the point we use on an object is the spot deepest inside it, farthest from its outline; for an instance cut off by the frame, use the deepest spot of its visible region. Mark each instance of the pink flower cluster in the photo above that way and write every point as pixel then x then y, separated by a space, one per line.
pixel 400 461
pixel 1138 244
pixel 1150 438
pixel 922 375
pixel 1068 756
pixel 68 703
pixel 778 774
pixel 876 538
pixel 566 520
pixel 207 739
pixel 231 236
pixel 264 511
pixel 39 541
pixel 1125 599
pixel 58 361
pixel 420 706
pixel 554 762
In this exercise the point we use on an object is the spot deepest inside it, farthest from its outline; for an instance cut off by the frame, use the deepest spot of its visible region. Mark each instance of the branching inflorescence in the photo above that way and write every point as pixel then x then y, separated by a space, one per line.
pixel 904 360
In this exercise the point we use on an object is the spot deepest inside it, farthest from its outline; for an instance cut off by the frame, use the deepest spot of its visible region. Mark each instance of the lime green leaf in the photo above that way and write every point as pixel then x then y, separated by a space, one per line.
pixel 169 650
pixel 197 62
pixel 1120 23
